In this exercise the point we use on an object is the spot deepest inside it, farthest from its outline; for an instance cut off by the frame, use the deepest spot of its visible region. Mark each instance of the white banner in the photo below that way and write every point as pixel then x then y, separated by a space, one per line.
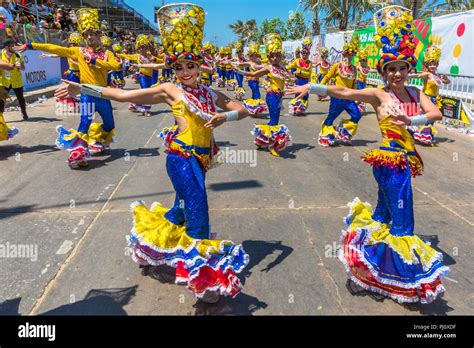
pixel 40 72
pixel 456 33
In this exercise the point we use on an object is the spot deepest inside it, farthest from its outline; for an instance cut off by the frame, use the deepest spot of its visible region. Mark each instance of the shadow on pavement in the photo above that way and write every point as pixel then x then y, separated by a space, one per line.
pixel 12 150
pixel 10 307
pixel 433 241
pixel 242 304
pixel 360 142
pixel 22 209
pixel 224 144
pixel 438 307
pixel 235 185
pixel 38 119
pixel 115 154
pixel 294 148
pixel 96 302
pixel 258 250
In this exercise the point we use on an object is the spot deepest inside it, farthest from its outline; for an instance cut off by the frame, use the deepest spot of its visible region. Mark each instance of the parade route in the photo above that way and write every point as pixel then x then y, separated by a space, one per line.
pixel 287 212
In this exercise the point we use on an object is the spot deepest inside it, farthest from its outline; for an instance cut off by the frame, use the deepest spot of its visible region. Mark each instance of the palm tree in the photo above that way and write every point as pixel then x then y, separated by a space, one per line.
pixel 343 12
pixel 419 8
pixel 238 28
pixel 316 6
pixel 245 31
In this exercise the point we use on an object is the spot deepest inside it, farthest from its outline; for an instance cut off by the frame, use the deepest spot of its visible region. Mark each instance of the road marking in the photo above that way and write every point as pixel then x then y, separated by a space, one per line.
pixel 70 257
pixel 65 247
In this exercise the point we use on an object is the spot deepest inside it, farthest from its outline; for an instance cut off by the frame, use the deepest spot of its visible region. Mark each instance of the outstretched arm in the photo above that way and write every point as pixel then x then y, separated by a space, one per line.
pixel 366 95
pixel 258 73
pixel 69 52
pixel 163 93
pixel 150 66
pixel 423 75
pixel 233 111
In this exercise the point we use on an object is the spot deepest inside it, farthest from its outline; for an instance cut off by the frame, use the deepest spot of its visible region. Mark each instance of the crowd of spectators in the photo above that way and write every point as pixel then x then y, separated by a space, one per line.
pixel 36 17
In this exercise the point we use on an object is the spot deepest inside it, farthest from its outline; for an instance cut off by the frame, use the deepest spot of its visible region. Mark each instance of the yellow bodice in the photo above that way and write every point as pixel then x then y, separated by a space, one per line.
pixel 397 149
pixel 277 84
pixel 196 139
pixel 430 88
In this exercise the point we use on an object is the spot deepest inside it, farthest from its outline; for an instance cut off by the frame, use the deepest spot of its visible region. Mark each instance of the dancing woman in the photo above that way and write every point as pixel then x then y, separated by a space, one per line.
pixel 272 136
pixel 324 67
pixel 145 75
pixel 255 105
pixel 179 237
pixel 431 83
pixel 73 73
pixel 94 64
pixel 6 131
pixel 303 68
pixel 344 73
pixel 380 251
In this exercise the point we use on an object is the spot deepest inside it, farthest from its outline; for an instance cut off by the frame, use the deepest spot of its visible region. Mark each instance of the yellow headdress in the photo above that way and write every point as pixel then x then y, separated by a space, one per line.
pixel 75 38
pixel 432 54
pixel 272 43
pixel 324 51
pixel 307 43
pixel 117 47
pixel 142 41
pixel 87 19
pixel 394 35
pixel 181 27
pixel 254 48
pixel 363 53
pixel 105 41
pixel 239 46
pixel 352 46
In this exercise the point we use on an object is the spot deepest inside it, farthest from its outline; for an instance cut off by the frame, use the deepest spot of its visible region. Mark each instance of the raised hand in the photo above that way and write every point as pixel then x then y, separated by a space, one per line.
pixel 216 120
pixel 301 90
pixel 70 89
pixel 20 49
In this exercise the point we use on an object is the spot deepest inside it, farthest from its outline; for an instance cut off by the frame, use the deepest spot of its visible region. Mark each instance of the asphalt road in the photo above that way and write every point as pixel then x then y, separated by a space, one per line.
pixel 288 213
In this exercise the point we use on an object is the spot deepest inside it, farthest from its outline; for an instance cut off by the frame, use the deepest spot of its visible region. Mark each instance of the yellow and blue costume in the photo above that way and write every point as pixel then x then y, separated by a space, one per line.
pixel 6 131
pixel 362 73
pixel 273 135
pixel 239 92
pixel 324 66
pixel 94 66
pixel 380 251
pixel 425 134
pixel 302 70
pixel 221 68
pixel 145 75
pixel 345 76
pixel 179 237
pixel 115 78
pixel 73 73
pixel 208 51
pixel 254 105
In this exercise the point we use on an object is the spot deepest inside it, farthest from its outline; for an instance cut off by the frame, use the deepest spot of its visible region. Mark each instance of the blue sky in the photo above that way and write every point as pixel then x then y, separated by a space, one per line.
pixel 221 13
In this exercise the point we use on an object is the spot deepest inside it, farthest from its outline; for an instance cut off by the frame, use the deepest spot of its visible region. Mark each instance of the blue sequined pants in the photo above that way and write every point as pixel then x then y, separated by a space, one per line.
pixel 253 84
pixel 395 200
pixel 337 106
pixel 240 79
pixel 300 82
pixel 103 107
pixel 274 100
pixel 190 206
